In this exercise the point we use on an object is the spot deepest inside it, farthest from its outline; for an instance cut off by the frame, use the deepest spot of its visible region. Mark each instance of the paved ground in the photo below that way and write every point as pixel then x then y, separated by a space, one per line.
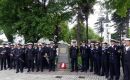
pixel 58 75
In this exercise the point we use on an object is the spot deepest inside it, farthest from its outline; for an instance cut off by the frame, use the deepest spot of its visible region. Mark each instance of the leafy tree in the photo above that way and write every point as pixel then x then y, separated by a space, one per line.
pixel 91 34
pixel 64 33
pixel 35 19
pixel 120 25
pixel 82 8
pixel 120 6
pixel 117 36
pixel 87 8
pixel 99 25
pixel 5 22
pixel 31 18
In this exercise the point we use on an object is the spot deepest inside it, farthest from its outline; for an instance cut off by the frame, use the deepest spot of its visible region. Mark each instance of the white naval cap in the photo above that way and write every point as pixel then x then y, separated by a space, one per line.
pixel 35 43
pixel 39 44
pixel 29 43
pixel 127 39
pixel 1 46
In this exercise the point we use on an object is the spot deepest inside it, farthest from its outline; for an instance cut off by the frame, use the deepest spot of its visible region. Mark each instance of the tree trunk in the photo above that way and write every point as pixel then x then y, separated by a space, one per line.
pixel 86 18
pixel 127 23
pixel 120 37
pixel 78 29
pixel 56 34
pixel 9 37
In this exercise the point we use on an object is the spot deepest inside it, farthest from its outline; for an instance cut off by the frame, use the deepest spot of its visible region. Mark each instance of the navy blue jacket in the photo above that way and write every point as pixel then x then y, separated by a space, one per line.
pixel 83 52
pixel 113 55
pixel 73 52
pixel 3 52
pixel 18 54
pixel 51 53
pixel 127 57
pixel 30 54
pixel 105 54
pixel 12 51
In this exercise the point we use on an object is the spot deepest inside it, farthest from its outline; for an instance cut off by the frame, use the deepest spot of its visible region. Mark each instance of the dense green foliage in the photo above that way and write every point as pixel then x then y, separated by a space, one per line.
pixel 35 19
pixel 31 18
pixel 91 36
pixel 120 6
pixel 120 26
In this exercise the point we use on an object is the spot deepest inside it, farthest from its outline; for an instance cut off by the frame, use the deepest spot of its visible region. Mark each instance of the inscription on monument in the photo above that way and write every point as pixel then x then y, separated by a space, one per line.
pixel 63 50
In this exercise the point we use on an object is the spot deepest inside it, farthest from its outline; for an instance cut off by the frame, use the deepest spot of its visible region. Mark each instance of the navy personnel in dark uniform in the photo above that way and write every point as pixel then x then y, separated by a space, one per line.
pixel 97 59
pixel 118 55
pixel 84 57
pixel 44 63
pixel 127 60
pixel 74 57
pixel 122 47
pixel 35 47
pixel 0 53
pixel 44 56
pixel 113 61
pixel 3 56
pixel 18 55
pixel 25 48
pixel 40 54
pixel 47 46
pixel 30 57
pixel 91 57
pixel 88 52
pixel 105 61
pixel 8 49
pixel 52 56
pixel 39 57
pixel 12 60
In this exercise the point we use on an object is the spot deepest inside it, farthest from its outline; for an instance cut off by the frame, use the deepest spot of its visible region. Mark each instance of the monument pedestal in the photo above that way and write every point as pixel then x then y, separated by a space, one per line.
pixel 63 57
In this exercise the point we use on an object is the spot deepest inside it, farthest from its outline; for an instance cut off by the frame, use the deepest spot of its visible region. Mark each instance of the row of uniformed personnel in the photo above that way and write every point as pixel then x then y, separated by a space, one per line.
pixel 28 56
pixel 102 59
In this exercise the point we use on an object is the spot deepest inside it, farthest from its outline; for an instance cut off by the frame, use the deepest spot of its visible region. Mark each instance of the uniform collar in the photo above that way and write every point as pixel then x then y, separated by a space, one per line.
pixel 127 48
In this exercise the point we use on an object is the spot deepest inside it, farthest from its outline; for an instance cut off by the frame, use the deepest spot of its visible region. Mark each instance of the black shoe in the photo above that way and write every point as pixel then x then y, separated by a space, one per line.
pixel 106 76
pixel 91 70
pixel 102 74
pixel 117 78
pixel 28 71
pixel 17 72
pixel 95 73
pixel 53 69
pixel 110 79
pixel 82 70
pixel 98 74
pixel 72 71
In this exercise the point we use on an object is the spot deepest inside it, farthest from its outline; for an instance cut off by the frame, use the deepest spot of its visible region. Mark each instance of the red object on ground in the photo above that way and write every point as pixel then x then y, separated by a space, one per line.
pixel 62 66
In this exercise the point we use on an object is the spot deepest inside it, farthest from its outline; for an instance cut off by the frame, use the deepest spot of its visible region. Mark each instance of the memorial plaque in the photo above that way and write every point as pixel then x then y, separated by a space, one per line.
pixel 62 50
